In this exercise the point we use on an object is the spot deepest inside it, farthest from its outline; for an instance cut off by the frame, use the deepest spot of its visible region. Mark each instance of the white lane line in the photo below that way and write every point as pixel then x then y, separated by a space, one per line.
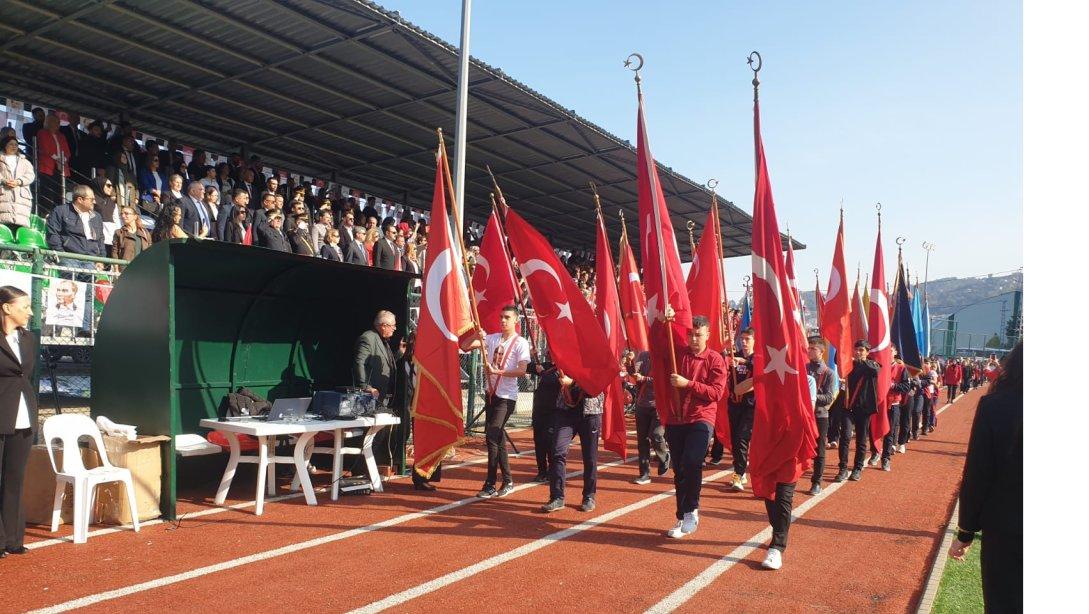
pixel 277 552
pixel 494 561
pixel 237 506
pixel 680 596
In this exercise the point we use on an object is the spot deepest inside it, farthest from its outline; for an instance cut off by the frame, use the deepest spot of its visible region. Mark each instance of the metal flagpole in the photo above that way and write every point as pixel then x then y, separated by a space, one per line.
pixel 462 113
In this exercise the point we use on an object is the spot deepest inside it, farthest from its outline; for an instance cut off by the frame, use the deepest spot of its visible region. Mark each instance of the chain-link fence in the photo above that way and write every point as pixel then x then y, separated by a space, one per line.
pixel 67 293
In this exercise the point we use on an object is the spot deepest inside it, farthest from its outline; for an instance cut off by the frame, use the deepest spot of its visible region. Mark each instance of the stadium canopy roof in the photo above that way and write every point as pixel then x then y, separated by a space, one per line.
pixel 342 90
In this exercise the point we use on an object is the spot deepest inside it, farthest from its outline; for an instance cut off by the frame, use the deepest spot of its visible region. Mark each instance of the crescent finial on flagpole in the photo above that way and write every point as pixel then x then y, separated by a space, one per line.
pixel 901 240
pixel 712 184
pixel 628 64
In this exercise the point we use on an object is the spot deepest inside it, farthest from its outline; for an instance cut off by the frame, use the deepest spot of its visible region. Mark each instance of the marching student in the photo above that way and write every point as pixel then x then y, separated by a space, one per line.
pixel 780 510
pixel 826 388
pixel 861 404
pixel 898 388
pixel 506 357
pixel 951 378
pixel 544 403
pixel 575 413
pixel 649 432
pixel 700 382
pixel 740 407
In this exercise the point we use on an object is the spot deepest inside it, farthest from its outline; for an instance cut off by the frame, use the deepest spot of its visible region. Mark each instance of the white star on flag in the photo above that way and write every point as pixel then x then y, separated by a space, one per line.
pixel 777 362
pixel 565 312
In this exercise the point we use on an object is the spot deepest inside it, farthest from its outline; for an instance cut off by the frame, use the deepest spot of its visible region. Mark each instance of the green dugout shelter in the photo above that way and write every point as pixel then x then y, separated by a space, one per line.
pixel 190 321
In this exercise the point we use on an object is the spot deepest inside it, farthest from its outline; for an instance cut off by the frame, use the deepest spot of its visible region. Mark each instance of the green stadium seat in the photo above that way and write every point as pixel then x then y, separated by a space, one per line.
pixel 31 237
pixel 5 235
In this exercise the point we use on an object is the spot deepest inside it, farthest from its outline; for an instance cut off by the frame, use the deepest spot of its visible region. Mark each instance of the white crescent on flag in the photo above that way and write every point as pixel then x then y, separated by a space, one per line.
pixel 481 261
pixel 882 301
pixel 536 265
pixel 608 327
pixel 762 269
pixel 436 275
pixel 835 284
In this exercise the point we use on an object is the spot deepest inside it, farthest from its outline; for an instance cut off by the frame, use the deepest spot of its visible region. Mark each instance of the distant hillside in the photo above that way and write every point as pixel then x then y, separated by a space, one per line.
pixel 981 305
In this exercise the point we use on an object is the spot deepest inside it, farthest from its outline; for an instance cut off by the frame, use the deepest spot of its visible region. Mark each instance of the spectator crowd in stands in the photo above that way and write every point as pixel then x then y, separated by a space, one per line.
pixel 127 195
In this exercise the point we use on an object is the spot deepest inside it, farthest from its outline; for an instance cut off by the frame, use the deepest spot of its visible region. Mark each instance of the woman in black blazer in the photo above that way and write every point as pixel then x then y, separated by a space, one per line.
pixel 330 251
pixel 18 413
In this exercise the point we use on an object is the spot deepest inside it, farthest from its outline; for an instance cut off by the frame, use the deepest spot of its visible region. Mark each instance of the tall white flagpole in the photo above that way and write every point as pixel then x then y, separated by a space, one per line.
pixel 462 112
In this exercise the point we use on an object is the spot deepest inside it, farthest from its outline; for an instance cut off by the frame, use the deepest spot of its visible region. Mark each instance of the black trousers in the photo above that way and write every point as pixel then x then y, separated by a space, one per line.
pixel 1002 560
pixel 418 479
pixel 930 415
pixel 951 392
pixel 779 512
pixel 14 452
pixel 717 450
pixel 861 427
pixel 835 416
pixel 542 435
pixel 740 435
pixel 907 409
pixel 688 446
pixel 822 444
pixel 566 424
pixel 649 435
pixel 889 442
pixel 496 413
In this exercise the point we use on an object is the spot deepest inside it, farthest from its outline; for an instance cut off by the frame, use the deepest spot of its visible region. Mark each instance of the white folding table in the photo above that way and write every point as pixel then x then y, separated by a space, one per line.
pixel 304 431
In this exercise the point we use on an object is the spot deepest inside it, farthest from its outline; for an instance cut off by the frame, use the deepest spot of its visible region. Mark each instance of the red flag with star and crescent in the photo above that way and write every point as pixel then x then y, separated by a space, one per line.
pixel 836 314
pixel 707 295
pixel 614 434
pixel 784 433
pixel 493 280
pixel 662 275
pixel 575 339
pixel 880 338
pixel 437 411
pixel 633 303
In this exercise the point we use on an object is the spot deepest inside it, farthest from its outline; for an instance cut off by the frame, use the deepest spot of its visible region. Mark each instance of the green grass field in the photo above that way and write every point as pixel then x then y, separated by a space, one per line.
pixel 960 591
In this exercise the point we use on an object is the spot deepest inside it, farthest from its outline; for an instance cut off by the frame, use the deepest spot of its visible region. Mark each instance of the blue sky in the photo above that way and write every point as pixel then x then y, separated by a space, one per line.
pixel 917 105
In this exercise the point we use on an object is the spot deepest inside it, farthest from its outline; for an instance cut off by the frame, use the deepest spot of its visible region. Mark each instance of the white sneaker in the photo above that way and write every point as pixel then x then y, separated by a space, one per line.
pixel 744 478
pixel 902 449
pixel 690 522
pixel 677 531
pixel 774 559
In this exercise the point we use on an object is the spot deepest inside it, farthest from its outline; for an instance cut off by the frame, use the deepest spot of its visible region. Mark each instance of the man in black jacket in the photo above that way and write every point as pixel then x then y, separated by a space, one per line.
pixel 271 234
pixel 354 251
pixel 77 228
pixel 544 403
pixel 386 254
pixel 196 218
pixel 827 389
pixel 861 404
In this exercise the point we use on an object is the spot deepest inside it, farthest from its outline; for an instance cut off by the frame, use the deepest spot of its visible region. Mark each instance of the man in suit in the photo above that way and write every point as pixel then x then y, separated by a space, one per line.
pixel 196 218
pixel 18 414
pixel 375 361
pixel 260 217
pixel 271 235
pixel 386 254
pixel 30 130
pixel 247 183
pixel 347 231
pixel 354 252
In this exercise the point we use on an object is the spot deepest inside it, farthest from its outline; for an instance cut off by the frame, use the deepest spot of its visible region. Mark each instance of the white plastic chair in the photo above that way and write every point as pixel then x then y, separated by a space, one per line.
pixel 69 428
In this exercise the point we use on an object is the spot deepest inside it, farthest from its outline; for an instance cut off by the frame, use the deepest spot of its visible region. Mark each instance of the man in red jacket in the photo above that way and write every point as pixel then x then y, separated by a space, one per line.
pixel 701 382
pixel 951 378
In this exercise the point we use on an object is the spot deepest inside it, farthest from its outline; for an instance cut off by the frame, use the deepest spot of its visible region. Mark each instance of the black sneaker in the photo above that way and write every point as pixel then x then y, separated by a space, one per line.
pixel 663 465
pixel 856 475
pixel 540 478
pixel 487 492
pixel 552 506
pixel 842 475
pixel 712 462
pixel 815 489
pixel 508 488
pixel 588 504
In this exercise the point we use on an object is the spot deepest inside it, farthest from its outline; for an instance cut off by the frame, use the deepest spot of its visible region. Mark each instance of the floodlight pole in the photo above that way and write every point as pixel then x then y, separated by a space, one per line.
pixel 462 112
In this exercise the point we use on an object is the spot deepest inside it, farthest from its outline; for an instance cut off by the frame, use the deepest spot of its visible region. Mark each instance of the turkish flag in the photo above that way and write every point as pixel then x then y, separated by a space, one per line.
pixel 836 313
pixel 880 338
pixel 662 275
pixel 633 303
pixel 614 434
pixel 705 287
pixel 784 431
pixel 576 341
pixel 493 280
pixel 707 295
pixel 437 411
pixel 859 327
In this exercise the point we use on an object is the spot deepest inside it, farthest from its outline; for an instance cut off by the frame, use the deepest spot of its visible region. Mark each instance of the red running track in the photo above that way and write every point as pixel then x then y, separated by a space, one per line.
pixel 861 546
